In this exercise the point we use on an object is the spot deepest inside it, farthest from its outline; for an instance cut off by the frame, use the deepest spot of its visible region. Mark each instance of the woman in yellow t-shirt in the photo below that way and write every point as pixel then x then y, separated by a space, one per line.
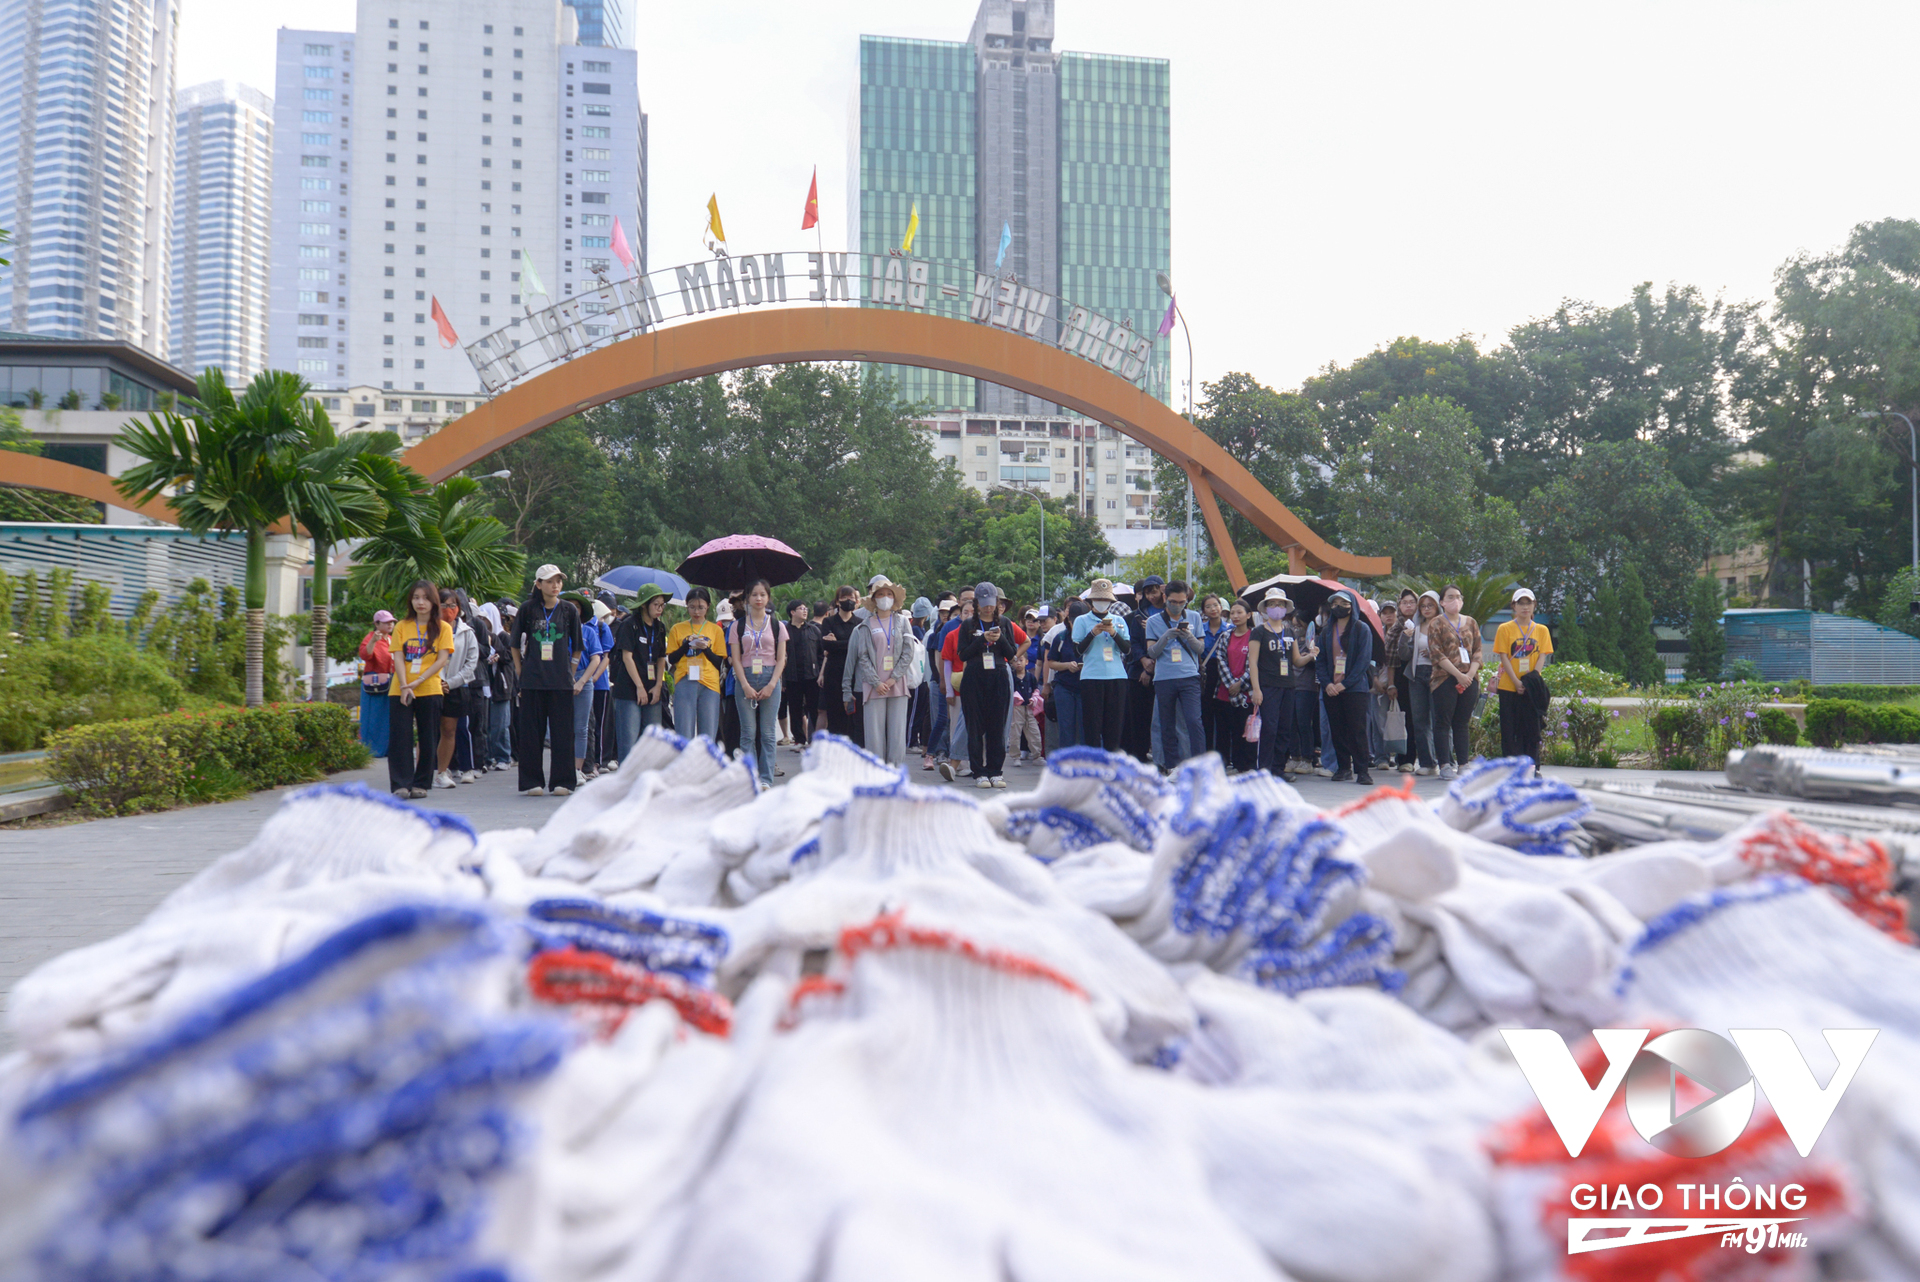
pixel 697 649
pixel 421 644
pixel 1522 646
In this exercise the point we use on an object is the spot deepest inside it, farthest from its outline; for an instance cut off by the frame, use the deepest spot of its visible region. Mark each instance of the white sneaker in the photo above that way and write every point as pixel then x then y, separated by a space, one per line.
pixel 1323 772
pixel 1023 756
pixel 470 777
pixel 983 781
pixel 563 792
pixel 534 792
pixel 1446 772
pixel 443 779
pixel 1424 771
pixel 999 781
pixel 946 771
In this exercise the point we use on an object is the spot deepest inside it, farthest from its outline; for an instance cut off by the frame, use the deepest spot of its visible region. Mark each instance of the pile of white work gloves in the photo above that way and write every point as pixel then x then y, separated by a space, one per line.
pixel 854 1028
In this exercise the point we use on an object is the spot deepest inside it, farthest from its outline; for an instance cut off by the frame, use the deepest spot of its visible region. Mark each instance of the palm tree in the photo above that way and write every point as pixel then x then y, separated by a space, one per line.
pixel 350 486
pixel 454 541
pixel 232 465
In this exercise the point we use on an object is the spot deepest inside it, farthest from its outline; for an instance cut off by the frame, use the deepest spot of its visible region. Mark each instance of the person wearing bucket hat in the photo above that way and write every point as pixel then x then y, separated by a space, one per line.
pixel 1273 684
pixel 880 661
pixel 1102 642
pixel 639 668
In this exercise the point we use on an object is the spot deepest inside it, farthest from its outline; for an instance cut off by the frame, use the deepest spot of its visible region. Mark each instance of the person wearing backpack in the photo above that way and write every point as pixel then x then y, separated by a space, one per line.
pixel 881 654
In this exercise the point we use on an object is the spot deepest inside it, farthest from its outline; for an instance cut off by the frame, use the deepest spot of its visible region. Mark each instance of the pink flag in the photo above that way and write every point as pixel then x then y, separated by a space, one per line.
pixel 448 338
pixel 621 249
pixel 1166 322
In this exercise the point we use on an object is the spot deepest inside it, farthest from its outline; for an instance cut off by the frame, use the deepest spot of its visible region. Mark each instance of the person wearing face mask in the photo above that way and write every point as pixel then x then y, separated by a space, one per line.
pixel 1102 641
pixel 836 638
pixel 879 654
pixel 1173 642
pixel 1212 631
pixel 1063 666
pixel 952 669
pixel 936 684
pixel 1455 647
pixel 1138 728
pixel 985 646
pixel 1273 684
pixel 456 713
pixel 1420 665
pixel 1346 654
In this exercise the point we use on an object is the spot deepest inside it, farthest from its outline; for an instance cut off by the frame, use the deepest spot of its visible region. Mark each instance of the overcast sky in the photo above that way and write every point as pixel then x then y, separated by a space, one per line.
pixel 1343 174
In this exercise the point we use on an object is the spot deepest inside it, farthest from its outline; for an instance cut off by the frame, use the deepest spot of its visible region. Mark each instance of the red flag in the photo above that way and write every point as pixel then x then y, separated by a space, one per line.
pixel 812 212
pixel 447 337
pixel 621 250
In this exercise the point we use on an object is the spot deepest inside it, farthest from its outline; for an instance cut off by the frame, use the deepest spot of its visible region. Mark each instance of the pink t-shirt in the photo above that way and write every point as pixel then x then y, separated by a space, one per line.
pixel 885 639
pixel 1236 664
pixel 759 645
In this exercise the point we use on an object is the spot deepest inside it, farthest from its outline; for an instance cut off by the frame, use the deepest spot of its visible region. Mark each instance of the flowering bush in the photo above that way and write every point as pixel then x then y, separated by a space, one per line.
pixel 1698 734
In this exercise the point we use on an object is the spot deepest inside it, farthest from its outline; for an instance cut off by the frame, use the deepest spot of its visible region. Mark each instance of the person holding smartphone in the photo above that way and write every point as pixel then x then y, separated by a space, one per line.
pixel 984 647
pixel 1102 640
pixel 1176 648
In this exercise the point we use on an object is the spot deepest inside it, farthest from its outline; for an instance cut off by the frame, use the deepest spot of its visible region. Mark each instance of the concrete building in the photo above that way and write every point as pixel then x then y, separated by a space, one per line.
pixel 482 145
pixel 86 164
pixel 222 229
pixel 1064 157
pixel 603 23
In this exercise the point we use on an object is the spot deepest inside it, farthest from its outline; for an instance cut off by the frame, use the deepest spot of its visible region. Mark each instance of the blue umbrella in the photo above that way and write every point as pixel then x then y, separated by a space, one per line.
pixel 629 579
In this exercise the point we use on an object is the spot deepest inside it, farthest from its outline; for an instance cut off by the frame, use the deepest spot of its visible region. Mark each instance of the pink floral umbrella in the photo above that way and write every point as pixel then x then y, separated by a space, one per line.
pixel 732 562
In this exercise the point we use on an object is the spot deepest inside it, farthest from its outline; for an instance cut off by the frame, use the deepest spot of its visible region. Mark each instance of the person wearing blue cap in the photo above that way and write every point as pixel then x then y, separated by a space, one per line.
pixel 1175 645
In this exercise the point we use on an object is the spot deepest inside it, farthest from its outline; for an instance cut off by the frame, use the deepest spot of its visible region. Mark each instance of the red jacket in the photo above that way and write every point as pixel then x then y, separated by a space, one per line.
pixel 378 657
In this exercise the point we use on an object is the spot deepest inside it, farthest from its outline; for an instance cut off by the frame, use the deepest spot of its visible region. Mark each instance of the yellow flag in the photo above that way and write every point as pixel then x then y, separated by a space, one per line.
pixel 913 229
pixel 713 218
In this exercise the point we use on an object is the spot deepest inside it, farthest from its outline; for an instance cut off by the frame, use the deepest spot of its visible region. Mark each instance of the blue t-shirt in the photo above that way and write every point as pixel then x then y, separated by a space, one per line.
pixel 1097 665
pixel 1177 661
pixel 595 638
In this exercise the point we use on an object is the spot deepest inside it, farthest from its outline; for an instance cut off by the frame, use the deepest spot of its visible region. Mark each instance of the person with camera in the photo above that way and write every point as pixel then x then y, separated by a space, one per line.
pixel 1175 646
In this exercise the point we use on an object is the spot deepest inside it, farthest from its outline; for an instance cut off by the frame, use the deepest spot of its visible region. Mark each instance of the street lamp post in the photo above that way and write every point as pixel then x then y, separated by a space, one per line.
pixel 1166 287
pixel 1913 457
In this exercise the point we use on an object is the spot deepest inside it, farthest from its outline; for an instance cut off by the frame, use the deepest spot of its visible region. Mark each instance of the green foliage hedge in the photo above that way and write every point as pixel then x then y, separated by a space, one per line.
pixel 1832 722
pixel 126 767
pixel 1866 694
pixel 84 679
pixel 1779 726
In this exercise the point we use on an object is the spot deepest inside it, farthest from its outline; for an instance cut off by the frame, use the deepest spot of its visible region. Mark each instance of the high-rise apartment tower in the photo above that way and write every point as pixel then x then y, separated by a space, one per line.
pixel 222 229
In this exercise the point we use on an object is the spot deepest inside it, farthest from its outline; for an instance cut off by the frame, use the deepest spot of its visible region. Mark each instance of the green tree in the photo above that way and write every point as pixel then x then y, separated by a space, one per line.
pixel 1349 401
pixel 1902 590
pixel 454 543
pixel 1570 640
pixel 1617 504
pixel 998 541
pixel 17 503
pixel 1642 661
pixel 562 502
pixel 1706 642
pixel 1274 435
pixel 232 465
pixel 1602 627
pixel 1414 493
pixel 348 487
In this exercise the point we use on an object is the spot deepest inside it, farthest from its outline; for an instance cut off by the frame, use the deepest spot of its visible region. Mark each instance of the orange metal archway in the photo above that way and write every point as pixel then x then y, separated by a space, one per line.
pixel 792 335
pixel 788 336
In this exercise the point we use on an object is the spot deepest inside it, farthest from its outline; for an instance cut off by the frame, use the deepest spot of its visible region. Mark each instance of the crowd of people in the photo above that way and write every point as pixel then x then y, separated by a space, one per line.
pixel 452 690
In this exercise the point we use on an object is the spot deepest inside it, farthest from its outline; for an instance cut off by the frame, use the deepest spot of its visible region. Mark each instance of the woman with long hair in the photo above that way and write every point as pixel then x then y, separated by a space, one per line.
pixel 696 648
pixel 1420 724
pixel 985 649
pixel 759 652
pixel 457 704
pixel 1233 690
pixel 1454 644
pixel 422 642
pixel 1214 628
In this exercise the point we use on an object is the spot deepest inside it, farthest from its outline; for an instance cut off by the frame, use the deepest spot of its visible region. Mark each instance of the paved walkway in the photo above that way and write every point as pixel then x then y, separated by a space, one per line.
pixel 64 887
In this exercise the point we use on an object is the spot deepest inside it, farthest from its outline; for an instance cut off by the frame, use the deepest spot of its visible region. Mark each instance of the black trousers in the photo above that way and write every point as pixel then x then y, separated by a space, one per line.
pixel 1519 727
pixel 1230 737
pixel 851 724
pixel 404 722
pixel 985 697
pixel 600 742
pixel 800 705
pixel 1452 714
pixel 1138 731
pixel 1403 688
pixel 1347 718
pixel 1103 712
pixel 546 716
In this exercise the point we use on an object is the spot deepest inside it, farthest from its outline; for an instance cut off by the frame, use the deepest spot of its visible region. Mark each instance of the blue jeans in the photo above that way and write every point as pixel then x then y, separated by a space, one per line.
pixel 1329 757
pixel 1420 738
pixel 582 721
pixel 937 734
pixel 696 710
pixel 760 725
pixel 629 719
pixel 499 732
pixel 1066 702
pixel 1176 702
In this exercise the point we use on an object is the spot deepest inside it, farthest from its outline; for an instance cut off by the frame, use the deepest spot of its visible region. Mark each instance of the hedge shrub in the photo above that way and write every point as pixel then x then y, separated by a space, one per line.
pixel 155 762
pixel 1833 722
pixel 1779 726
pixel 1866 694
pixel 49 686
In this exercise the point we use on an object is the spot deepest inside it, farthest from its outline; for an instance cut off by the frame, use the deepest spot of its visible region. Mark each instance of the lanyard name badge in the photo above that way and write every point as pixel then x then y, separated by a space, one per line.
pixel 886 655
pixel 757 638
pixel 545 635
pixel 1176 653
pixel 986 658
